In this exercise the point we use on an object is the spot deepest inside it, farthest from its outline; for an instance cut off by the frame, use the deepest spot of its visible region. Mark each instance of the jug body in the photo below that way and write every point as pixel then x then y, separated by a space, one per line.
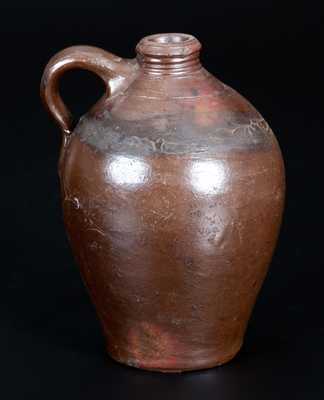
pixel 172 190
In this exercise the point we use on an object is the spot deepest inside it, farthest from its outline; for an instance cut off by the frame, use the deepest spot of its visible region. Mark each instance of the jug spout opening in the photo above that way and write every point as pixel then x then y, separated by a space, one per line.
pixel 169 53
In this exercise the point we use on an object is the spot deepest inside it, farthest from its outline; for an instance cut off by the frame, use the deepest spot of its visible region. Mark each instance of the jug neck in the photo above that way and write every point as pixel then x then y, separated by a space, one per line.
pixel 169 54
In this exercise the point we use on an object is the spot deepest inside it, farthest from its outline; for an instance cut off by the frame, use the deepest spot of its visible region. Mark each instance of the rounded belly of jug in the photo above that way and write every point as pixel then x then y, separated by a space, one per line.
pixel 173 248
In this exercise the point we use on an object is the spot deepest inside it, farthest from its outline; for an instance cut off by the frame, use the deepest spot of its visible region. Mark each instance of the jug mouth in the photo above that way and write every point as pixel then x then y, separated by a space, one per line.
pixel 168 44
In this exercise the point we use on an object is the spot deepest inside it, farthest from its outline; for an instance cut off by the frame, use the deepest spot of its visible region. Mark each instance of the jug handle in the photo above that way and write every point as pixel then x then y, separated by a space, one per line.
pixel 115 72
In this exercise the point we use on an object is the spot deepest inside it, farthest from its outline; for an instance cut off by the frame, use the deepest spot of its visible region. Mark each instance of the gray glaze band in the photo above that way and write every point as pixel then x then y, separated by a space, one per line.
pixel 167 134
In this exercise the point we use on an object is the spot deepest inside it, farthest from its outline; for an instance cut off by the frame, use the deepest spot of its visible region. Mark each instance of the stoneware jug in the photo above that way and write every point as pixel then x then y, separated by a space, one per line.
pixel 172 190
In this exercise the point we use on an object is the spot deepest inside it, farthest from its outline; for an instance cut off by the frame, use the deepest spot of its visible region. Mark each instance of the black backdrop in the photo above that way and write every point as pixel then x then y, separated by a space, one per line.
pixel 50 340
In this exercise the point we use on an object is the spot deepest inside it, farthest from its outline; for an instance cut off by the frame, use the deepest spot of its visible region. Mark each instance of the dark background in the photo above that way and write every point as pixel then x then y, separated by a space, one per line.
pixel 50 341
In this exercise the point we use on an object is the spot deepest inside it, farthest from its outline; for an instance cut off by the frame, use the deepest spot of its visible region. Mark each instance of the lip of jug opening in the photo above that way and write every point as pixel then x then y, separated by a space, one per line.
pixel 169 44
pixel 169 53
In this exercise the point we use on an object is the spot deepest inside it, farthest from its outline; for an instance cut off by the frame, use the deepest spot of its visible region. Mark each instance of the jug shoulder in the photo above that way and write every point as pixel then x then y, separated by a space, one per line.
pixel 207 118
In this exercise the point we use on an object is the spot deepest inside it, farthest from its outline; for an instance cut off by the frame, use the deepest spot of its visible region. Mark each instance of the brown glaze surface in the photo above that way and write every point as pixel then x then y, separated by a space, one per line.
pixel 173 188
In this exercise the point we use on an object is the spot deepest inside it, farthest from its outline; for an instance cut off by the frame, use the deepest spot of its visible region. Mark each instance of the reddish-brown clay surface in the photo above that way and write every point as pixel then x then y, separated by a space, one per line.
pixel 173 188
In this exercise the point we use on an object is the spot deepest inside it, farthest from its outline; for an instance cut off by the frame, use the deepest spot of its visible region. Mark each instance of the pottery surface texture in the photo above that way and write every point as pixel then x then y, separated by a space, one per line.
pixel 172 189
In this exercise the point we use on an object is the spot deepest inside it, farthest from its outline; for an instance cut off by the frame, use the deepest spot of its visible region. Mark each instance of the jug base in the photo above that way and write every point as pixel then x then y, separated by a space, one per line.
pixel 153 366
